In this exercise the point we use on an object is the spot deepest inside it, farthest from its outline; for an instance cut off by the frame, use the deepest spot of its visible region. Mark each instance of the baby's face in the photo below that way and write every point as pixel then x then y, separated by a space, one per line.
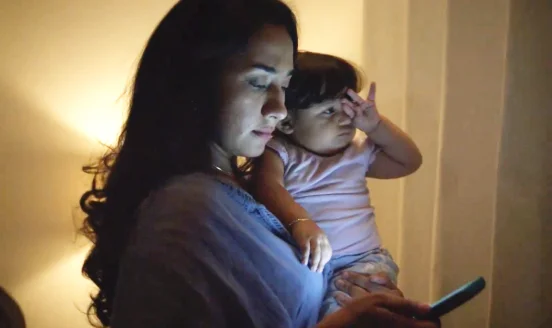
pixel 323 128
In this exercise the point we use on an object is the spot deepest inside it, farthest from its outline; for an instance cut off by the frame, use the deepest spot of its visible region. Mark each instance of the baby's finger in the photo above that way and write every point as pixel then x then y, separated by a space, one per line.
pixel 305 253
pixel 348 102
pixel 355 97
pixel 372 92
pixel 326 256
pixel 349 111
pixel 315 246
pixel 357 109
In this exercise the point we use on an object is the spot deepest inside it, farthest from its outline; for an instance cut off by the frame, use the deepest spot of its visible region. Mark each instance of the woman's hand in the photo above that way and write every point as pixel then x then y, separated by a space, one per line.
pixel 374 301
pixel 314 244
pixel 379 310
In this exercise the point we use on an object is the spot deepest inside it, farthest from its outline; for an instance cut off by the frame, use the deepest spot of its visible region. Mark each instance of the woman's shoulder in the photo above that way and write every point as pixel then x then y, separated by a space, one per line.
pixel 184 209
pixel 195 182
pixel 184 190
pixel 195 195
pixel 183 198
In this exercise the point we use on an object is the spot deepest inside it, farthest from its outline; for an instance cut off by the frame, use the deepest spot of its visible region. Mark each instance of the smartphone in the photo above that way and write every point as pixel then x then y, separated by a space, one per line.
pixel 456 298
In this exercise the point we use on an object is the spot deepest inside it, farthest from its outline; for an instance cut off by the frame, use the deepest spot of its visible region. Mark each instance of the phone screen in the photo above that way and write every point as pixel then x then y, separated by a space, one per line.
pixel 456 298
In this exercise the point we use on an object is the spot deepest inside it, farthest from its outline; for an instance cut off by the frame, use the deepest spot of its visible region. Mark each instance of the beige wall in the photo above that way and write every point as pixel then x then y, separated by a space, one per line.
pixel 522 289
pixel 384 61
pixel 325 26
pixel 443 224
pixel 63 65
pixel 477 85
pixel 425 99
pixel 472 125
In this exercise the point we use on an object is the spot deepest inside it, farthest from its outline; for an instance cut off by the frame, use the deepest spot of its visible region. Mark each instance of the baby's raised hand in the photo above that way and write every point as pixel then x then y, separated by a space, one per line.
pixel 314 244
pixel 364 113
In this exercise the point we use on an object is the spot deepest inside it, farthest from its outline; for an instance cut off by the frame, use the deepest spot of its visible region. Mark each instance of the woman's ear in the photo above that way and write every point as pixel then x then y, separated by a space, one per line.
pixel 286 125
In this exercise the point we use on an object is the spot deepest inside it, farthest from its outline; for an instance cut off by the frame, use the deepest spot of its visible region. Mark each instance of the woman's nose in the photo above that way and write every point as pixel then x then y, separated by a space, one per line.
pixel 274 106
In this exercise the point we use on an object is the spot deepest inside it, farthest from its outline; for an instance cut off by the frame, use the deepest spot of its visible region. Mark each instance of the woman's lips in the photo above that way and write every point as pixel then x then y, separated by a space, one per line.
pixel 264 134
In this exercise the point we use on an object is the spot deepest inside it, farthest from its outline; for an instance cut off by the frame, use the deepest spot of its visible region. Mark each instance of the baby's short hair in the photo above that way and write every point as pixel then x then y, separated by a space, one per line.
pixel 318 77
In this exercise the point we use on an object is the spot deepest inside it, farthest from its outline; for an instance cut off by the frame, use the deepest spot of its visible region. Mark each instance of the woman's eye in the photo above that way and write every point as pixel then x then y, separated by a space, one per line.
pixel 255 84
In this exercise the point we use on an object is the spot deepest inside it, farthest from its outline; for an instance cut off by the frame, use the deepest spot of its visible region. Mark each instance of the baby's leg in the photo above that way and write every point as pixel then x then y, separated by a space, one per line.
pixel 379 261
pixel 369 263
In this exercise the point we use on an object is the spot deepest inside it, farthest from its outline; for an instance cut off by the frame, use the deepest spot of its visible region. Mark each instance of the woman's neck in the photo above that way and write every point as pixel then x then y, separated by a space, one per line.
pixel 220 160
pixel 221 165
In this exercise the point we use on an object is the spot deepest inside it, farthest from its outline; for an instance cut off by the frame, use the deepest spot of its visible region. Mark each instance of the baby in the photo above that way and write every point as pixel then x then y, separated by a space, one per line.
pixel 313 174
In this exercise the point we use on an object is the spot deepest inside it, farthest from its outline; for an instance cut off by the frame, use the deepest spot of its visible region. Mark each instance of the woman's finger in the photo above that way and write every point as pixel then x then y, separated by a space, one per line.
pixel 382 279
pixel 361 280
pixel 350 289
pixel 343 299
pixel 401 305
pixel 373 311
pixel 394 320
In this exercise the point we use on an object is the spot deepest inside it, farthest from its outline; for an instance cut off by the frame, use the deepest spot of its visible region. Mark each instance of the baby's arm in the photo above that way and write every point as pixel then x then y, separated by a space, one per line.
pixel 268 188
pixel 399 155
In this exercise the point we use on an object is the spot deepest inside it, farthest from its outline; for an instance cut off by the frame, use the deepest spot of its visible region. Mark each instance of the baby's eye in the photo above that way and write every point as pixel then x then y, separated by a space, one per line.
pixel 329 111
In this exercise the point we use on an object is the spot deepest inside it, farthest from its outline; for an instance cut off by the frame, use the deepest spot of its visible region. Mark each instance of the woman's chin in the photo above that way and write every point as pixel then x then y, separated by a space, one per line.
pixel 254 151
pixel 253 154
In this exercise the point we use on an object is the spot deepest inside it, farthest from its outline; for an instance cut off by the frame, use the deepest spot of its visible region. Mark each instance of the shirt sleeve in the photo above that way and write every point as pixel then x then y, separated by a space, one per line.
pixel 175 272
pixel 371 150
pixel 279 147
pixel 368 149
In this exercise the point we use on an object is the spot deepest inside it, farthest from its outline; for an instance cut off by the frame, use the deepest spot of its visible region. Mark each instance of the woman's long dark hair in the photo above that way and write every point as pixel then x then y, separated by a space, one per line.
pixel 171 120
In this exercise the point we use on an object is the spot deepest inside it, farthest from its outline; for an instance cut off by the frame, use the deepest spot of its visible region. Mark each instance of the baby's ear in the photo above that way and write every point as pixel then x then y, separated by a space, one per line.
pixel 286 125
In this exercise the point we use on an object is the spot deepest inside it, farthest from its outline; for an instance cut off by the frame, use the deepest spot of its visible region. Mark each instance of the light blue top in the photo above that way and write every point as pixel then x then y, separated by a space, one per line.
pixel 206 254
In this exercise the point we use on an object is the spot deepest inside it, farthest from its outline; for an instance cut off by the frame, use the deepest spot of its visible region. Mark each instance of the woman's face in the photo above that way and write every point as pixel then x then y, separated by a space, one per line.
pixel 253 90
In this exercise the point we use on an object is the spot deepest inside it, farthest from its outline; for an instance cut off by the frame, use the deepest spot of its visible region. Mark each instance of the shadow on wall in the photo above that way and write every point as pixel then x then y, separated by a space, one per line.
pixel 41 185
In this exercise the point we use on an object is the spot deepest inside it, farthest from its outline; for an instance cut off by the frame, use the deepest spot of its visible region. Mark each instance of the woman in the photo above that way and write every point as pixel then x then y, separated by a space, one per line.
pixel 178 241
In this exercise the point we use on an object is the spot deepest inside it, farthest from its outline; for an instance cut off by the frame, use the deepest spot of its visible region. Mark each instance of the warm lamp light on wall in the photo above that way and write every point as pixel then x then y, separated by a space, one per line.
pixel 100 122
pixel 93 109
